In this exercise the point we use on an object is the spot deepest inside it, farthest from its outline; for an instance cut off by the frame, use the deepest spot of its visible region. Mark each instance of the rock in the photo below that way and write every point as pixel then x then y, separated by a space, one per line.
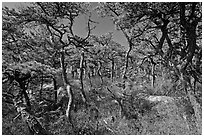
pixel 164 117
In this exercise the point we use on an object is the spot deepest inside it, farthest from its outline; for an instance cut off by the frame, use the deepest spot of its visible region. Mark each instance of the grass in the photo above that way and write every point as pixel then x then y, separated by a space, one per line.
pixel 165 116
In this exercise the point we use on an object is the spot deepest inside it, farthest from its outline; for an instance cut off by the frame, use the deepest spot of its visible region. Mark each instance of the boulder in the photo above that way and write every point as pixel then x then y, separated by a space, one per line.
pixel 164 118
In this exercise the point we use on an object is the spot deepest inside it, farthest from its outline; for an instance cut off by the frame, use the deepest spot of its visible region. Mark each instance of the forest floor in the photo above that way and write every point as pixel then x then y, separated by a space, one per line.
pixel 152 115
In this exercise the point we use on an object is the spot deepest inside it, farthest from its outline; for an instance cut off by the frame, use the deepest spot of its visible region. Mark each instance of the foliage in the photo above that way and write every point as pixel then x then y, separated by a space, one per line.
pixel 139 89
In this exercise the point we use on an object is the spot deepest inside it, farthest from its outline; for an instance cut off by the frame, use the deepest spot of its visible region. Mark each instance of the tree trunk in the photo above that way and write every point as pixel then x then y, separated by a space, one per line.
pixel 64 74
pixel 55 89
pixel 122 111
pixel 34 126
pixel 70 104
pixel 130 46
pixel 99 71
pixel 112 69
pixel 23 91
pixel 41 88
pixel 190 28
pixel 81 77
pixel 126 63
pixel 153 76
pixel 67 87
pixel 89 74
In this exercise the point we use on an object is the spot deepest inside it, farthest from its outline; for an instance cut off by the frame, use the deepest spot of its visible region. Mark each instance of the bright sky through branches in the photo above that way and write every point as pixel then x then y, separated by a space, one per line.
pixel 105 24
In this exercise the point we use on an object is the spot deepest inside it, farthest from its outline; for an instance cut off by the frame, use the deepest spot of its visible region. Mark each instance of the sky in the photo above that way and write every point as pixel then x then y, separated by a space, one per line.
pixel 105 24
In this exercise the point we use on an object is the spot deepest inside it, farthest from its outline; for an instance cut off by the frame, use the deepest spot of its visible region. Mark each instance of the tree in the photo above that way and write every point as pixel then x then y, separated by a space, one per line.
pixel 169 31
pixel 108 51
pixel 45 28
pixel 48 69
pixel 117 11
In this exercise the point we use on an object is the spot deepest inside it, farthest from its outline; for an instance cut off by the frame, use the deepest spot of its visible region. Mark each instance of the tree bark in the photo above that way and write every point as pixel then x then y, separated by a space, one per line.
pixel 112 69
pixel 89 74
pixel 41 88
pixel 99 71
pixel 153 75
pixel 67 88
pixel 70 103
pixel 55 89
pixel 81 77
pixel 64 74
pixel 34 126
pixel 127 55
pixel 23 91
pixel 190 27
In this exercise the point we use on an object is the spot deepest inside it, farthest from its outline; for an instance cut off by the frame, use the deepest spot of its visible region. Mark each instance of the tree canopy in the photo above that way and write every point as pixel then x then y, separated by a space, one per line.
pixel 49 70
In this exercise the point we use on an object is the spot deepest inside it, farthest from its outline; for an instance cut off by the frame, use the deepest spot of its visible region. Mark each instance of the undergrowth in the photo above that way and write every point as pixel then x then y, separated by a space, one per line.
pixel 142 116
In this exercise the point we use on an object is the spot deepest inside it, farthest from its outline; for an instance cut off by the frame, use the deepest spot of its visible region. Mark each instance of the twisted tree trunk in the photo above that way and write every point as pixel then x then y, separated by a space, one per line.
pixel 33 124
pixel 24 93
pixel 190 26
pixel 67 88
pixel 127 57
